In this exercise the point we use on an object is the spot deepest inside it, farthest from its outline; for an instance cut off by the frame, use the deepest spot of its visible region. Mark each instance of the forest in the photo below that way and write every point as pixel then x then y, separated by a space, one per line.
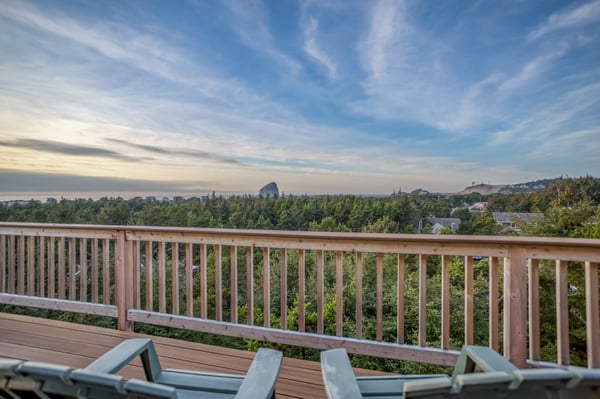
pixel 570 208
pixel 567 209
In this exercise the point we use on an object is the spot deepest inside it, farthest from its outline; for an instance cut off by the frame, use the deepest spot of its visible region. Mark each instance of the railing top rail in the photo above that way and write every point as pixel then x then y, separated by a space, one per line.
pixel 324 236
pixel 59 230
pixel 60 226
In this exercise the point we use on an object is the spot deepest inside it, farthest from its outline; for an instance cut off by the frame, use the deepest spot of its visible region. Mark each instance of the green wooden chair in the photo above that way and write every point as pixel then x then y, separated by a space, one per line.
pixel 479 372
pixel 44 379
pixel 585 384
pixel 20 379
pixel 51 381
pixel 259 381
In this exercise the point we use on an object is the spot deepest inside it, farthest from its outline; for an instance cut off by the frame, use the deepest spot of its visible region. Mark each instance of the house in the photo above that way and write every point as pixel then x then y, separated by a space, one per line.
pixel 508 220
pixel 478 206
pixel 437 224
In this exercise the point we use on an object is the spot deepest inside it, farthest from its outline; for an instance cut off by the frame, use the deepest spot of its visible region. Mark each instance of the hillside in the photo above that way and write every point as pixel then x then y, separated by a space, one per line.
pixel 528 187
pixel 483 189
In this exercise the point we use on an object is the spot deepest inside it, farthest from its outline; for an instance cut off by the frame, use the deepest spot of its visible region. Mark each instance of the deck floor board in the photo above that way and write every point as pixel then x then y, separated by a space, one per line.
pixel 77 345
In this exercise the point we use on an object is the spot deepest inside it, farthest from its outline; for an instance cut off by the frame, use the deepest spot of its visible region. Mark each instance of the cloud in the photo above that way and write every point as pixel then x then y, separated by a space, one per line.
pixel 407 81
pixel 470 108
pixel 388 28
pixel 552 122
pixel 249 23
pixel 414 75
pixel 163 56
pixel 118 42
pixel 30 182
pixel 585 141
pixel 585 14
pixel 311 47
pixel 57 147
pixel 204 155
pixel 408 71
pixel 533 69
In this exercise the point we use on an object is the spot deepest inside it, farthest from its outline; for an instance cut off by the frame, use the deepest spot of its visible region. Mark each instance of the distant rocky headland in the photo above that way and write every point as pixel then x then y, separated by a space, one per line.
pixel 487 189
pixel 270 190
pixel 529 187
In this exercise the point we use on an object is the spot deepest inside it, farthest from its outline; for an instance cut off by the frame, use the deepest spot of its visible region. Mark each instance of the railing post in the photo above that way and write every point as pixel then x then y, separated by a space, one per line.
pixel 592 311
pixel 515 307
pixel 123 280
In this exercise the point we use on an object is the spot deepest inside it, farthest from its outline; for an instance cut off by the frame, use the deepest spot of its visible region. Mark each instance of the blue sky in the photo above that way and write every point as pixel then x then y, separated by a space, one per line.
pixel 327 96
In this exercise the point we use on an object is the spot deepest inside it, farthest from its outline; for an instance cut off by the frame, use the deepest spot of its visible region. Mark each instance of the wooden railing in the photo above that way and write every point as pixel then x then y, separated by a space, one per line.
pixel 311 289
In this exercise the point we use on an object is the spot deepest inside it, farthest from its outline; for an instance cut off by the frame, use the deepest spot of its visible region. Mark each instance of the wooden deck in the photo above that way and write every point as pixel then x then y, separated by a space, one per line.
pixel 76 345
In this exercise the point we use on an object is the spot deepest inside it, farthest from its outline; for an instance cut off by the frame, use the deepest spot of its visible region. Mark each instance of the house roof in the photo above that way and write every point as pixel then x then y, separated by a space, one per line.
pixel 510 217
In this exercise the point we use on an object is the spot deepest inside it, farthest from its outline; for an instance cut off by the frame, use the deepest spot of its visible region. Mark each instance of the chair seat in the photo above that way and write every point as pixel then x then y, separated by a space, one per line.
pixel 198 381
pixel 387 386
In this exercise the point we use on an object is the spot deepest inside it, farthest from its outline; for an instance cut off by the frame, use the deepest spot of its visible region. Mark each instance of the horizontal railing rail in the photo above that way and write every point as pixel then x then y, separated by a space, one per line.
pixel 409 297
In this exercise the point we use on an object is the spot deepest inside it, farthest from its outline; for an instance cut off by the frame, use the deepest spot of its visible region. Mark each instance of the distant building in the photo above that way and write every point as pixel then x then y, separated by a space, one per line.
pixel 419 191
pixel 479 206
pixel 437 224
pixel 17 202
pixel 509 220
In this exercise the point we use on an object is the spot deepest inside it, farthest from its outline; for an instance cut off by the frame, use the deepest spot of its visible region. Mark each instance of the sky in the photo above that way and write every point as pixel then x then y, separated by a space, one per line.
pixel 320 96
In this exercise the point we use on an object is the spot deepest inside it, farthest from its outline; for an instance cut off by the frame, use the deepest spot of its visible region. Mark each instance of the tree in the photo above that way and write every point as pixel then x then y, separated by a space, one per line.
pixel 559 221
pixel 486 224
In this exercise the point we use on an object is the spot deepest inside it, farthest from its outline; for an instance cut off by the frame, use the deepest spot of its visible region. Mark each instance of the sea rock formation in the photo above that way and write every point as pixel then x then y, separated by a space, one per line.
pixel 270 189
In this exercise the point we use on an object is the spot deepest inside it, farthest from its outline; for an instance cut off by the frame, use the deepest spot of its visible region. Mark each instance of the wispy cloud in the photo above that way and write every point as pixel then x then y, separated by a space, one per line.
pixel 470 107
pixel 196 154
pixel 550 120
pixel 533 69
pixel 250 23
pixel 311 47
pixel 69 149
pixel 585 141
pixel 410 77
pixel 408 71
pixel 162 56
pixel 118 42
pixel 35 182
pixel 585 14
pixel 388 34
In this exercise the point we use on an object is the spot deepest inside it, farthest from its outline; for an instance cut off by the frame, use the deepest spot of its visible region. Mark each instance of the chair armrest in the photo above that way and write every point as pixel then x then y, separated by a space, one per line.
pixel 550 379
pixel 8 367
pixel 89 378
pixel 119 356
pixel 338 376
pixel 261 377
pixel 486 359
pixel 53 379
pixel 43 371
pixel 582 377
pixel 143 389
pixel 491 382
pixel 429 387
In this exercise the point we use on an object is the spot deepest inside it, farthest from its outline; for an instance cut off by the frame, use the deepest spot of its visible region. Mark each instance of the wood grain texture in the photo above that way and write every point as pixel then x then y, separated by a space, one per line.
pixel 78 345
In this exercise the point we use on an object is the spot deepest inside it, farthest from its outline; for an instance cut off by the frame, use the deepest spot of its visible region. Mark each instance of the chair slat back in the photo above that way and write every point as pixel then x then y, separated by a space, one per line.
pixel 27 380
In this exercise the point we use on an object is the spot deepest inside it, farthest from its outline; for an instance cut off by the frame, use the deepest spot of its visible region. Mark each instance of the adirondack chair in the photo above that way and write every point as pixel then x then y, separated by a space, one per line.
pixel 29 379
pixel 585 384
pixel 479 372
pixel 259 381
pixel 44 380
